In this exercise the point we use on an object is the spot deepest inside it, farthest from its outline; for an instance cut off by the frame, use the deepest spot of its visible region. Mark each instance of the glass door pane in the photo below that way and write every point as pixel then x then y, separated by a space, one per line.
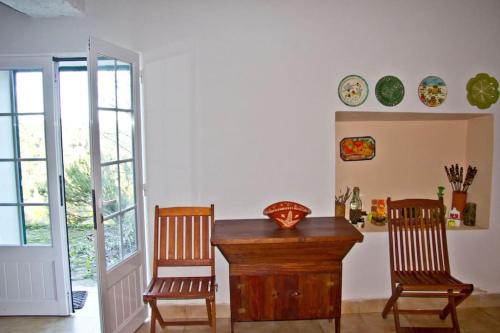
pixel 23 159
pixel 117 158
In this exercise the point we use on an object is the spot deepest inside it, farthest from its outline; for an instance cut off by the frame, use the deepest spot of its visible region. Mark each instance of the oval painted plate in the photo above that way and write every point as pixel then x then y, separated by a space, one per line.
pixel 482 91
pixel 357 148
pixel 389 90
pixel 432 91
pixel 353 90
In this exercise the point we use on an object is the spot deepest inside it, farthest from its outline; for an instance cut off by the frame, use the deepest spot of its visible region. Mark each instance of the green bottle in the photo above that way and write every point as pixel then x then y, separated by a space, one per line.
pixel 355 206
pixel 440 194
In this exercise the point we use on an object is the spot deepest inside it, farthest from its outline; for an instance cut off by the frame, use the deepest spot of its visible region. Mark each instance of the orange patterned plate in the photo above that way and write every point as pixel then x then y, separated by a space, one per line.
pixel 357 148
pixel 286 213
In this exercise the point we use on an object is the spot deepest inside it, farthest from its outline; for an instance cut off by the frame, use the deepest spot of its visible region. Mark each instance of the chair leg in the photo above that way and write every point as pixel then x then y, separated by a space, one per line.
pixel 391 301
pixel 214 316
pixel 453 311
pixel 388 306
pixel 152 324
pixel 211 311
pixel 157 314
pixel 395 312
pixel 446 311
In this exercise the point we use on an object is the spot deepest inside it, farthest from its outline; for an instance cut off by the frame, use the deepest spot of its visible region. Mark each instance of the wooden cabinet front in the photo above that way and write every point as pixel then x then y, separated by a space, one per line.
pixel 285 274
pixel 283 296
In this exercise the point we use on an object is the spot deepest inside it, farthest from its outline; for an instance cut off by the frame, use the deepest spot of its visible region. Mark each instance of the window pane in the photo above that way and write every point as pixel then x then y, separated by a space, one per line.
pixel 112 242
pixel 9 224
pixel 125 135
pixel 106 85
pixel 74 115
pixel 129 233
pixel 8 192
pixel 6 144
pixel 127 185
pixel 109 189
pixel 29 92
pixel 123 85
pixel 34 181
pixel 32 136
pixel 37 223
pixel 5 92
pixel 107 129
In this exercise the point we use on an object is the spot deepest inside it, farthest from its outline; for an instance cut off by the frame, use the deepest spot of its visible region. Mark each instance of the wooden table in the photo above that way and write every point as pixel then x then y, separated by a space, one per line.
pixel 278 274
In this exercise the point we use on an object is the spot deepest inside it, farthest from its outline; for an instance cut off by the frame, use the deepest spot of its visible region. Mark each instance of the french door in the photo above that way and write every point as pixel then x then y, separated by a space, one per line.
pixel 117 189
pixel 34 273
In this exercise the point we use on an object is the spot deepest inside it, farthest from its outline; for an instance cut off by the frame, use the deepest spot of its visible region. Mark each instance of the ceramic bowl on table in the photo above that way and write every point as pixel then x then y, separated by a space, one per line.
pixel 286 214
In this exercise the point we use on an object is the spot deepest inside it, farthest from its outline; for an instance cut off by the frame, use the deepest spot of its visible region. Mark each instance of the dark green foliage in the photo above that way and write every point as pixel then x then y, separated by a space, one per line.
pixel 79 217
pixel 78 193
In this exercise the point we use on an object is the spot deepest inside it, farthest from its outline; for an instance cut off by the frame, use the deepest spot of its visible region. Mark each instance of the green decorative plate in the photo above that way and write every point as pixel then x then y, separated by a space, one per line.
pixel 482 91
pixel 389 90
pixel 353 90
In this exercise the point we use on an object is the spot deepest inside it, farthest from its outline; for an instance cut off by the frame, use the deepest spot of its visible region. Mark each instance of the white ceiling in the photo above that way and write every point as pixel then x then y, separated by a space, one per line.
pixel 47 8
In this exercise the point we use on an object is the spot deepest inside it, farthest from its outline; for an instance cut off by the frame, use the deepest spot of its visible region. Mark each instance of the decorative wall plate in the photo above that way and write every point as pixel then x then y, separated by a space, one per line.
pixel 353 90
pixel 286 214
pixel 389 90
pixel 432 91
pixel 357 148
pixel 482 91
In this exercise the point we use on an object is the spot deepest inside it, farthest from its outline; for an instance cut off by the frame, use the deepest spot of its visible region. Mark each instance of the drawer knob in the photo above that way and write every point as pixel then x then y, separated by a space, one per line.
pixel 295 294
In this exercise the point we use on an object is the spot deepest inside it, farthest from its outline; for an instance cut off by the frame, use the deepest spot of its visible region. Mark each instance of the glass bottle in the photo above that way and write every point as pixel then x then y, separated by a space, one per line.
pixel 440 194
pixel 355 206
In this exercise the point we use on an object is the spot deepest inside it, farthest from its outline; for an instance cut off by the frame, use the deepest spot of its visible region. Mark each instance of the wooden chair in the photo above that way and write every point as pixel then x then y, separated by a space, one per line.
pixel 182 238
pixel 419 261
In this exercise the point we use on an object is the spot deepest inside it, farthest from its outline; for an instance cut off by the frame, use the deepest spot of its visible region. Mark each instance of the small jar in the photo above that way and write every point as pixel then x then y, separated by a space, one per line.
pixel 469 216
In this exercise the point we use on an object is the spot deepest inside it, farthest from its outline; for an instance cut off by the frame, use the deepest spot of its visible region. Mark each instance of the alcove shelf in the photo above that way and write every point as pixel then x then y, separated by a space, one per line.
pixel 411 152
pixel 369 228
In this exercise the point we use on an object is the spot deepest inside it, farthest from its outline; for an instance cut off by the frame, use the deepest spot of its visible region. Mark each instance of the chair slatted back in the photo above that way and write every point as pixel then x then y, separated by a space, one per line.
pixel 182 237
pixel 417 236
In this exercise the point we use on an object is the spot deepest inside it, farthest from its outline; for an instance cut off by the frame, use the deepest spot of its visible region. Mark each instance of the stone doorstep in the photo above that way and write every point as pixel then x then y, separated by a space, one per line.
pixel 476 300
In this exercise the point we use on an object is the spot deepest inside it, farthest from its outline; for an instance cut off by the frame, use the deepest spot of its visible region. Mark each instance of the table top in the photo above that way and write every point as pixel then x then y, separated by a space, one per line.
pixel 260 231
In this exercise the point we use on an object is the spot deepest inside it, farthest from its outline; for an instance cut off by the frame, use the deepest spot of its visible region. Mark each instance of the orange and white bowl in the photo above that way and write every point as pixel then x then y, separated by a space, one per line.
pixel 286 213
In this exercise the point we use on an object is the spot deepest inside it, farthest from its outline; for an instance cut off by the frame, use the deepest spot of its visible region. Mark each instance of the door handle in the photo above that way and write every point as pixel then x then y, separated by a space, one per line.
pixel 61 190
pixel 94 209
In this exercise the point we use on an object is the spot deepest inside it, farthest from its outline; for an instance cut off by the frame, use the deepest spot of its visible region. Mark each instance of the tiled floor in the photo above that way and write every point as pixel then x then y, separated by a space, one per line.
pixel 85 320
pixel 472 320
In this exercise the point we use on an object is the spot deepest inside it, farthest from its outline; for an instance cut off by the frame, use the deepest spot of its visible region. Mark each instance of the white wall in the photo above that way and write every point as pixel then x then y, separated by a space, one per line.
pixel 252 119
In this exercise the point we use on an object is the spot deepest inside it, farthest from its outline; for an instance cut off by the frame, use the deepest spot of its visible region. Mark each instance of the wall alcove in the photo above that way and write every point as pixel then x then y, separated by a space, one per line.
pixel 411 152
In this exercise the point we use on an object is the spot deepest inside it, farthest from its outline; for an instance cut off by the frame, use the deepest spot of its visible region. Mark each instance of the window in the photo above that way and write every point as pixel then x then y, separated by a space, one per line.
pixel 116 125
pixel 24 204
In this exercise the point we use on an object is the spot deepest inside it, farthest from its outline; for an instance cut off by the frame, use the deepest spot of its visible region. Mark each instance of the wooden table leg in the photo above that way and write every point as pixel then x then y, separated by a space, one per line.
pixel 337 324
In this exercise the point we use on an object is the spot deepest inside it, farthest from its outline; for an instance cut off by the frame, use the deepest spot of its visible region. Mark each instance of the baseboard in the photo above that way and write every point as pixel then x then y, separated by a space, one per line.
pixel 476 300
